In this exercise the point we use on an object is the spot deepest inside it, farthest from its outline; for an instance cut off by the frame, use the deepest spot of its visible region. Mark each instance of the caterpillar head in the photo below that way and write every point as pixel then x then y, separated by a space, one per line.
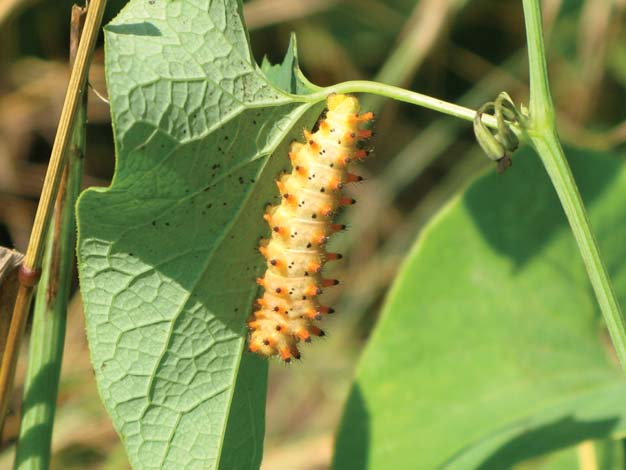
pixel 344 104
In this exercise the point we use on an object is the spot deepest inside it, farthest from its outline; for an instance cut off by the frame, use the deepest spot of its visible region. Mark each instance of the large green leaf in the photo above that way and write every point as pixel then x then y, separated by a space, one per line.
pixel 168 253
pixel 490 349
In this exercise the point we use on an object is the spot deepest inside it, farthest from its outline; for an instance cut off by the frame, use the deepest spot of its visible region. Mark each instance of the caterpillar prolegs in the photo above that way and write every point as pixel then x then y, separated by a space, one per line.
pixel 300 227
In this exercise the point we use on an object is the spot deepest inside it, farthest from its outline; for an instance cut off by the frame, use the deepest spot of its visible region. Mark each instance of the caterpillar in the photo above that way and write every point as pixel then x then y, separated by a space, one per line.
pixel 300 227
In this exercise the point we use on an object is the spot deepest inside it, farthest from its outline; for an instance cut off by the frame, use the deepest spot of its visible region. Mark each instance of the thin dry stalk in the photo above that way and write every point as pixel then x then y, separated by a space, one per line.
pixel 34 252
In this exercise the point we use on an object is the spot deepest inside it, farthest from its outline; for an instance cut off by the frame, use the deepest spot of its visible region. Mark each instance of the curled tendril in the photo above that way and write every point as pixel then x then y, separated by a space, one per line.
pixel 500 143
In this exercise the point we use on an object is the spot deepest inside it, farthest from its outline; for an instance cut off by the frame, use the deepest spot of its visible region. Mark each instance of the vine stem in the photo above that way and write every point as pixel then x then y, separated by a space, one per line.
pixel 400 94
pixel 541 106
pixel 542 135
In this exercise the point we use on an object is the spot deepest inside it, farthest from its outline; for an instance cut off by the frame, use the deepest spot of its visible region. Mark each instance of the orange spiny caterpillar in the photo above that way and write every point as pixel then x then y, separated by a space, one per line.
pixel 301 225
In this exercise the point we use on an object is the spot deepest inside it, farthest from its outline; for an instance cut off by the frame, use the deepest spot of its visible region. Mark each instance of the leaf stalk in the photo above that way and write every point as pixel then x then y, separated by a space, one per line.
pixel 401 94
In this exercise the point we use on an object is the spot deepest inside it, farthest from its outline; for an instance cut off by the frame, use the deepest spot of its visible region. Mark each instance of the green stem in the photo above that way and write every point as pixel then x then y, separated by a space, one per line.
pixel 48 331
pixel 50 313
pixel 541 107
pixel 400 94
pixel 543 137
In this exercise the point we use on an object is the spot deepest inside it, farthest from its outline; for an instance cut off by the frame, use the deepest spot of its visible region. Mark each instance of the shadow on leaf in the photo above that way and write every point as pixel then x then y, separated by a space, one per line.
pixel 353 439
pixel 136 29
pixel 527 184
pixel 562 433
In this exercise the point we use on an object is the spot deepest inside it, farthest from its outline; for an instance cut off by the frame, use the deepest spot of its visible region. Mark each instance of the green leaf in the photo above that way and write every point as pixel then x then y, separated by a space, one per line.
pixel 287 76
pixel 168 253
pixel 490 349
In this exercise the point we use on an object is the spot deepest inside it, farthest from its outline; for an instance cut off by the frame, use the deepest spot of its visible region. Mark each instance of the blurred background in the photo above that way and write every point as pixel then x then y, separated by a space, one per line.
pixel 458 50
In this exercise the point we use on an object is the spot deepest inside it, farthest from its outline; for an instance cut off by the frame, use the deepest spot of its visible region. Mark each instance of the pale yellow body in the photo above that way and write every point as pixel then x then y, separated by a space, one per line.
pixel 301 225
